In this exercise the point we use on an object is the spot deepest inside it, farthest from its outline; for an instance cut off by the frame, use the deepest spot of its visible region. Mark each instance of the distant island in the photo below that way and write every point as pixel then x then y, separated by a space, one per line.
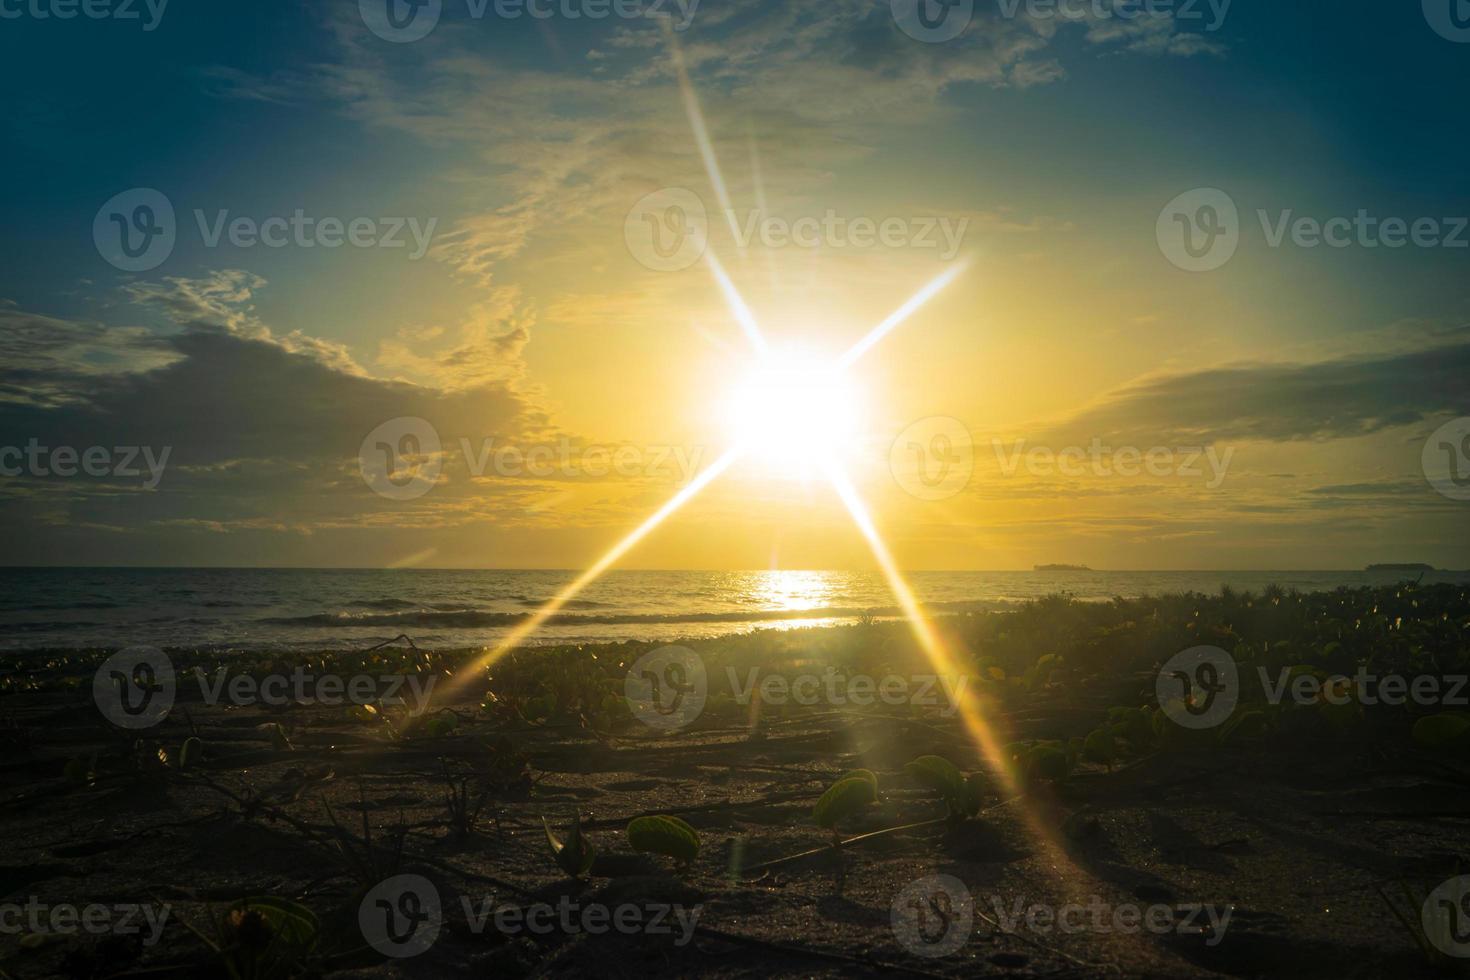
pixel 1061 568
pixel 1406 567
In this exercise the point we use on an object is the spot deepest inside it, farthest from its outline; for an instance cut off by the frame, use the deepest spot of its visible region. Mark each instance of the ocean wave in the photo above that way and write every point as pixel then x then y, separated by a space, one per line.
pixel 478 618
pixel 569 604
pixel 383 604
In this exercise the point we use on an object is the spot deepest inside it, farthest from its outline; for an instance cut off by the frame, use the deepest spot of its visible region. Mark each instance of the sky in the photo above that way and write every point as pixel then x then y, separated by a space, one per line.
pixel 340 283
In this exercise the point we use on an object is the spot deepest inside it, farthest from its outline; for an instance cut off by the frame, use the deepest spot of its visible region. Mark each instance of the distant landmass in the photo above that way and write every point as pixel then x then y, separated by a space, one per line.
pixel 1406 567
pixel 1061 568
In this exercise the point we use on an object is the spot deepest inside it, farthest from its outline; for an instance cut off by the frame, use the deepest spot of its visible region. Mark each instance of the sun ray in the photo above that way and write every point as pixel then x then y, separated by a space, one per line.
pixel 939 657
pixel 979 730
pixel 743 315
pixel 595 570
pixel 899 315
pixel 758 184
pixel 701 138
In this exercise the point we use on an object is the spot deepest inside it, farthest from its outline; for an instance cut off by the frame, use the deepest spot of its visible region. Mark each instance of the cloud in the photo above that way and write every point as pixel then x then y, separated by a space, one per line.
pixel 46 361
pixel 222 300
pixel 1330 399
pixel 815 84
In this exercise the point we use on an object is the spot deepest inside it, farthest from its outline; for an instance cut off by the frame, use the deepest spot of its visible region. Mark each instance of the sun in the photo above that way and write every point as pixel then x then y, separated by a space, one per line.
pixel 794 411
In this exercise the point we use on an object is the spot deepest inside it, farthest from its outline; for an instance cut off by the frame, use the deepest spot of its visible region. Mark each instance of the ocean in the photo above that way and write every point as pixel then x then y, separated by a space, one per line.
pixel 336 609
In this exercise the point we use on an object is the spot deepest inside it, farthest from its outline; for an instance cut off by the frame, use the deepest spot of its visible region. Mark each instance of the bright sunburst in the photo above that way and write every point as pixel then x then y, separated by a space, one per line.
pixel 797 410
pixel 794 412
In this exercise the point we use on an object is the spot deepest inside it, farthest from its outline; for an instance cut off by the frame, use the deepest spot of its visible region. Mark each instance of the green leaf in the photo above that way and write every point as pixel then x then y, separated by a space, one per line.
pixel 940 774
pixel 292 925
pixel 191 753
pixel 1442 731
pixel 1046 762
pixel 842 799
pixel 867 774
pixel 574 856
pixel 279 741
pixel 1099 747
pixel 664 835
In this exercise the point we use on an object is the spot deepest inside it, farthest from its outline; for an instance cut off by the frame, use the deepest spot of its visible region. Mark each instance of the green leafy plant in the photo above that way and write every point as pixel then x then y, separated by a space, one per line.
pixel 573 855
pixel 1447 731
pixel 191 753
pixel 845 798
pixel 662 834
pixel 938 773
pixel 262 938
